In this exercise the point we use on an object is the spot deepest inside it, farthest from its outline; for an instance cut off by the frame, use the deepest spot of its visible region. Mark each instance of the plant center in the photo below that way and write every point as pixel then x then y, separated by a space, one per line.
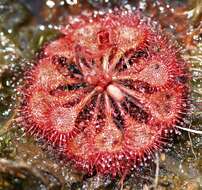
pixel 100 81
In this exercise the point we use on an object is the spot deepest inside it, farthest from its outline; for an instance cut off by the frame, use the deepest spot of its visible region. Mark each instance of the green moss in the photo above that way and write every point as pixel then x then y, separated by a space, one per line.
pixel 7 149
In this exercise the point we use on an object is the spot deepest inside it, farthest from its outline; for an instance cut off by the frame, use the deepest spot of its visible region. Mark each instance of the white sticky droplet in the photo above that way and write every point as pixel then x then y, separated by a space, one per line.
pixel 115 92
pixel 50 3
pixel 71 2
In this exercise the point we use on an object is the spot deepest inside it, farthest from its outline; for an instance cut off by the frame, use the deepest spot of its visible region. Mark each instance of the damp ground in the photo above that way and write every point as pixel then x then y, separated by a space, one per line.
pixel 24 165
